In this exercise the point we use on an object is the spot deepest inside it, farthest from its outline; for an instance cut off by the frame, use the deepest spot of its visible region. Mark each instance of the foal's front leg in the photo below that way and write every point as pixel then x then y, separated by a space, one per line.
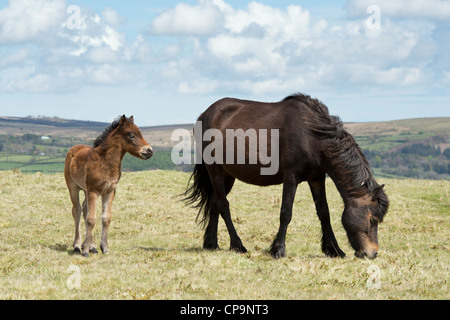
pixel 107 200
pixel 90 219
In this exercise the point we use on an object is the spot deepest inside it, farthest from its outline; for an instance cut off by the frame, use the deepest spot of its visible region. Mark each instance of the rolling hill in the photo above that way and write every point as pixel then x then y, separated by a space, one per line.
pixel 418 148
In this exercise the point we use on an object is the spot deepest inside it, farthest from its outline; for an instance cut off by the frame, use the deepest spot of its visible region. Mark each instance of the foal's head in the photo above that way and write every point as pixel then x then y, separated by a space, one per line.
pixel 360 219
pixel 132 140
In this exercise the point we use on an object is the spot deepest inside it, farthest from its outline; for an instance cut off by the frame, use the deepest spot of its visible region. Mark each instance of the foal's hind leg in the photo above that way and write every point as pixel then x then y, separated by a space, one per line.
pixel 107 200
pixel 329 243
pixel 74 192
pixel 90 219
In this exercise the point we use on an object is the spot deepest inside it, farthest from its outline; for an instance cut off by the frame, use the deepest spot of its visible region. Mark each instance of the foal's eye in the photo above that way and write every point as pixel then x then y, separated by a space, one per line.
pixel 131 136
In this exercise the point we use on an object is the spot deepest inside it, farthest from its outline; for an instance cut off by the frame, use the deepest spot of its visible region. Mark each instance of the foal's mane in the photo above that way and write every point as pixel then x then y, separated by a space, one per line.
pixel 105 134
pixel 340 148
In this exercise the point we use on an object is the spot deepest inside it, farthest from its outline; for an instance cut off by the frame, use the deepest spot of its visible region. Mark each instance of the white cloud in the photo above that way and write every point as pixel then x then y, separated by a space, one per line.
pixel 446 76
pixel 107 74
pixel 102 55
pixel 201 19
pixel 112 18
pixel 197 87
pixel 94 33
pixel 211 47
pixel 15 58
pixel 140 51
pixel 25 20
pixel 63 59
pixel 37 83
pixel 266 49
pixel 430 9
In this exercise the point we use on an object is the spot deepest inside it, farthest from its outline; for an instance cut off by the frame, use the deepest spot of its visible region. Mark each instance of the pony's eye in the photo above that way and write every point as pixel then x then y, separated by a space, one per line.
pixel 131 136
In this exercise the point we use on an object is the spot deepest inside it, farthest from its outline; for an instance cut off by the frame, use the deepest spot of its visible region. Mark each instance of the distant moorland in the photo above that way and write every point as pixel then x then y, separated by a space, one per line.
pixel 413 148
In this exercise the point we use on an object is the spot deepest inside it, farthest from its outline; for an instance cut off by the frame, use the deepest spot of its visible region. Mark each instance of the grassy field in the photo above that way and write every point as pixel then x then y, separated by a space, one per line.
pixel 28 163
pixel 155 245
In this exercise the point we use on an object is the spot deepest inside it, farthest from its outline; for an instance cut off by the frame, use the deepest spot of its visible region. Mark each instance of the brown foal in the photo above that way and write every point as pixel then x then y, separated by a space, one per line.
pixel 96 170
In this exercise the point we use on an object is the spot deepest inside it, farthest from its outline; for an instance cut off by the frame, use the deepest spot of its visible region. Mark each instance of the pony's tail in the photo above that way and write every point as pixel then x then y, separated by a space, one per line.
pixel 199 194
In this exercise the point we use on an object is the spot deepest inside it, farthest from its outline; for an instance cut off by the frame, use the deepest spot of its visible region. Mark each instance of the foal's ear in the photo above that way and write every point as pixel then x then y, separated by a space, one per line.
pixel 131 119
pixel 376 192
pixel 122 120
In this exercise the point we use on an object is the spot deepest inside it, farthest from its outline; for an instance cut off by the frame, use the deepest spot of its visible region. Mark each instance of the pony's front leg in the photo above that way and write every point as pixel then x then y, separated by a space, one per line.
pixel 107 200
pixel 329 243
pixel 90 219
pixel 278 248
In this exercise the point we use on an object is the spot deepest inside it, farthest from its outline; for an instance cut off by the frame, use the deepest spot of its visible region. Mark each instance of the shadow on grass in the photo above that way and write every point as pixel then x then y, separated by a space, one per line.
pixel 63 248
pixel 58 247
pixel 262 254
pixel 155 249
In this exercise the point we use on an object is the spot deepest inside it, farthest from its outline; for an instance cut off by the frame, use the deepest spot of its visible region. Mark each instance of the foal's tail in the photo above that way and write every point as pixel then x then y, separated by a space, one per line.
pixel 200 193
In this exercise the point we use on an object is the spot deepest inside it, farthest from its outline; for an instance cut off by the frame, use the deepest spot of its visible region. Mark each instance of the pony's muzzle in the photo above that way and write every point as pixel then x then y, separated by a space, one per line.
pixel 370 253
pixel 146 152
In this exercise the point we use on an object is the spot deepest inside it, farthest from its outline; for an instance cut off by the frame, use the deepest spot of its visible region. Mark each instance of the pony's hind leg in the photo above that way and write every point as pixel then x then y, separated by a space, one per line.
pixel 210 237
pixel 222 185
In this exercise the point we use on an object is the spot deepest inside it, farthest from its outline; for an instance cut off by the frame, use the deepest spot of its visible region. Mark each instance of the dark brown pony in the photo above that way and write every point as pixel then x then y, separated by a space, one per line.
pixel 97 170
pixel 311 145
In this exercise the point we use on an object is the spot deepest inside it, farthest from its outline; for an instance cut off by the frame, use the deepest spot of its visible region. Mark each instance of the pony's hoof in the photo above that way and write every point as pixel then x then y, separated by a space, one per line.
pixel 239 249
pixel 76 250
pixel 333 252
pixel 211 246
pixel 104 249
pixel 85 254
pixel 277 252
pixel 93 250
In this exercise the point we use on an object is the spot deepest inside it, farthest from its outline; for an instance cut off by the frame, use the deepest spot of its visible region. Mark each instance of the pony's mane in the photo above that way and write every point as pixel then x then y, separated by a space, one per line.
pixel 105 134
pixel 340 148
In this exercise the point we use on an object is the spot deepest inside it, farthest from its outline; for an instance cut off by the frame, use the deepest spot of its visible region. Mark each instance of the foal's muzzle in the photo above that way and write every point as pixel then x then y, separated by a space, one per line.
pixel 146 152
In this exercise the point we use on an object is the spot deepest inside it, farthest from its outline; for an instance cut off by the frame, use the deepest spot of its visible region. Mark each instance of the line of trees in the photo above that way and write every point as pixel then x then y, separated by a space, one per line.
pixel 422 161
pixel 415 160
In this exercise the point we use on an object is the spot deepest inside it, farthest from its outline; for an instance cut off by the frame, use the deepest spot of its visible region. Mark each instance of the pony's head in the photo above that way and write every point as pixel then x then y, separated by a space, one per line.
pixel 132 140
pixel 361 218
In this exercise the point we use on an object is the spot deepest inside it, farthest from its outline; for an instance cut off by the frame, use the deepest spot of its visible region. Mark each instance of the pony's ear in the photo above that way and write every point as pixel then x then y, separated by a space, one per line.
pixel 376 192
pixel 131 119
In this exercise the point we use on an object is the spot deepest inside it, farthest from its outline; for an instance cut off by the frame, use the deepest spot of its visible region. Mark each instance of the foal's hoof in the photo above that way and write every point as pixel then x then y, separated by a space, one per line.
pixel 76 250
pixel 104 249
pixel 85 254
pixel 93 250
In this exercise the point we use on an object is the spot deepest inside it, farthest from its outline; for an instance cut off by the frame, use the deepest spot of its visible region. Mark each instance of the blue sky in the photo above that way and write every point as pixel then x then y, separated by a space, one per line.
pixel 166 61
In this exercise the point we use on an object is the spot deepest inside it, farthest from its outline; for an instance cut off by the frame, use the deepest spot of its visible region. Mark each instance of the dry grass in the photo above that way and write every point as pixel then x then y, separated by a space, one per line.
pixel 155 245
